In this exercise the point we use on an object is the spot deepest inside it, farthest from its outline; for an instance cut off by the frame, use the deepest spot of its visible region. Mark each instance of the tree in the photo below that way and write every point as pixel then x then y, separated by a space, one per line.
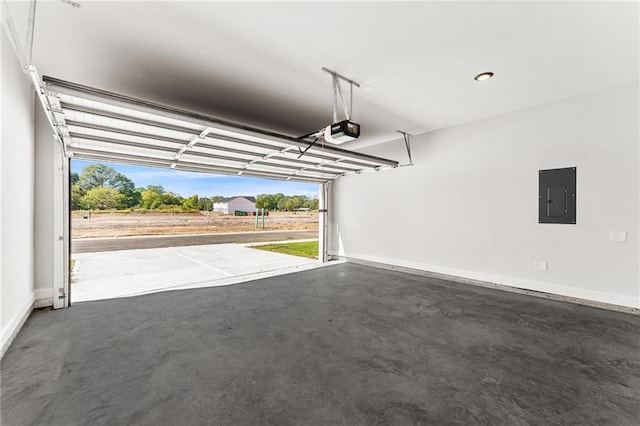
pixel 190 203
pixel 266 201
pixel 126 187
pixel 312 204
pixel 156 188
pixel 217 198
pixel 278 203
pixel 102 198
pixel 205 204
pixel 151 197
pixel 96 175
pixel 121 183
pixel 74 178
pixel 76 197
pixel 155 197
pixel 290 203
pixel 171 199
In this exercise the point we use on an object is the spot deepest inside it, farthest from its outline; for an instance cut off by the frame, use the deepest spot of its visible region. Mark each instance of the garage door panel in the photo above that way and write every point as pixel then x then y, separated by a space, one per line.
pixel 95 124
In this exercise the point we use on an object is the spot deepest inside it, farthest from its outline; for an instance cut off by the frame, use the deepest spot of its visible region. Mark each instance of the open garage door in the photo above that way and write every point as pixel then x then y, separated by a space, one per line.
pixel 99 125
pixel 94 124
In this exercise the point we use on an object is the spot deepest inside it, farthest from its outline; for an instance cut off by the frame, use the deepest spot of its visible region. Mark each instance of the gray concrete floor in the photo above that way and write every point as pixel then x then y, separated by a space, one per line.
pixel 344 344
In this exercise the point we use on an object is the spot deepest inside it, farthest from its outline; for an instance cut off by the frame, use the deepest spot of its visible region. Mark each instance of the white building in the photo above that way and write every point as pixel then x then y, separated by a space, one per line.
pixel 232 204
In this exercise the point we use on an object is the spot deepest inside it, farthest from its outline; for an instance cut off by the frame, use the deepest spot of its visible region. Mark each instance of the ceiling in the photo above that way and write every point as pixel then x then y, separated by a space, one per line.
pixel 260 63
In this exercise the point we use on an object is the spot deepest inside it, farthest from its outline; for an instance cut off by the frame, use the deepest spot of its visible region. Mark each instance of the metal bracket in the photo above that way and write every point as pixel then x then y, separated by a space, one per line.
pixel 302 152
pixel 407 143
pixel 337 92
pixel 46 106
pixel 347 109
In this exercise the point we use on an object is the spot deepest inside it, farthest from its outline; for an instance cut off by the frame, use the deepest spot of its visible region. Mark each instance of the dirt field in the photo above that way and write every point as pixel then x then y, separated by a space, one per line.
pixel 121 224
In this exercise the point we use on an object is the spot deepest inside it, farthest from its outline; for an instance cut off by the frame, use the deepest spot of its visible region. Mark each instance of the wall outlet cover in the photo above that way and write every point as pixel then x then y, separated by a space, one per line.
pixel 540 265
pixel 619 236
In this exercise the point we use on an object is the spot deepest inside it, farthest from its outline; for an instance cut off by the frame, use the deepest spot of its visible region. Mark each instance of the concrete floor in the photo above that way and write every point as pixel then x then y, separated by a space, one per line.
pixel 344 344
pixel 105 275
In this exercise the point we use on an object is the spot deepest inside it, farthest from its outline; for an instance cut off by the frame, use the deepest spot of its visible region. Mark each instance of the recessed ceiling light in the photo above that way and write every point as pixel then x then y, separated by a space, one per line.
pixel 483 76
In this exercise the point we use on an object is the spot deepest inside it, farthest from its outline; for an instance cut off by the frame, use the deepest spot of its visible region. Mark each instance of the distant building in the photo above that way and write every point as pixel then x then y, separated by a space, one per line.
pixel 238 203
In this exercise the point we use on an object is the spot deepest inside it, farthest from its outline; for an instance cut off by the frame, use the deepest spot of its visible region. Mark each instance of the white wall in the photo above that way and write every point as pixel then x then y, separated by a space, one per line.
pixel 472 200
pixel 221 207
pixel 16 199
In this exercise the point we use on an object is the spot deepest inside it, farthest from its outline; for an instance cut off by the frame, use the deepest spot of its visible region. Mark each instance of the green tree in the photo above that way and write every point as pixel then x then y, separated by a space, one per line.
pixel 151 198
pixel 278 201
pixel 312 204
pixel 205 204
pixel 217 198
pixel 156 188
pixel 74 178
pixel 190 203
pixel 290 203
pixel 171 199
pixel 126 187
pixel 266 201
pixel 121 183
pixel 155 197
pixel 76 197
pixel 102 198
pixel 96 175
pixel 261 201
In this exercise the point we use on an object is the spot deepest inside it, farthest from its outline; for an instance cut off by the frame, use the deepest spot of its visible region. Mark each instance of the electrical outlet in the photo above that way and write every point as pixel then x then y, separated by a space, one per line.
pixel 540 265
pixel 619 236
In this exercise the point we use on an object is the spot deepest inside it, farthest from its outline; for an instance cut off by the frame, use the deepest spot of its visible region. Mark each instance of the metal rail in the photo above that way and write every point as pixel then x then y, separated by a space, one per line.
pixel 206 121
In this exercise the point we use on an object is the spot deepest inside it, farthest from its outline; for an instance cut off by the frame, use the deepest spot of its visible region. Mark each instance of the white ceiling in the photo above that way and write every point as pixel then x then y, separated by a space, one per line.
pixel 260 63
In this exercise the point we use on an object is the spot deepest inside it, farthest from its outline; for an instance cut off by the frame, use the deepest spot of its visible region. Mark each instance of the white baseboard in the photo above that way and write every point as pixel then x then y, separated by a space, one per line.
pixel 586 297
pixel 44 298
pixel 11 329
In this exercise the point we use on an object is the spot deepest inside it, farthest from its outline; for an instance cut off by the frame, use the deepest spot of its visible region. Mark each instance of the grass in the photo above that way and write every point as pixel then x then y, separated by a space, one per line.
pixel 305 249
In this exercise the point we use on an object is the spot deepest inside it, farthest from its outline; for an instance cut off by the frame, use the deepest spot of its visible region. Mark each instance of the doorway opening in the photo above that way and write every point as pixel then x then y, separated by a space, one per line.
pixel 137 230
pixel 92 124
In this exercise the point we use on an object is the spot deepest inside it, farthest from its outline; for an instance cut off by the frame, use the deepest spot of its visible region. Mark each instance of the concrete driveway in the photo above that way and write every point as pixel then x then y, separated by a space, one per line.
pixel 111 274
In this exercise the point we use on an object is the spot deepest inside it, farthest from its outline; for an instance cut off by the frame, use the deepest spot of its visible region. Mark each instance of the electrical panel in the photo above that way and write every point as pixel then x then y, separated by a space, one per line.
pixel 557 196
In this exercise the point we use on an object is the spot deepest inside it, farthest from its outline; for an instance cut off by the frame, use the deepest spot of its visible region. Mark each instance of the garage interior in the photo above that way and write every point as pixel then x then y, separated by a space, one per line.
pixel 454 301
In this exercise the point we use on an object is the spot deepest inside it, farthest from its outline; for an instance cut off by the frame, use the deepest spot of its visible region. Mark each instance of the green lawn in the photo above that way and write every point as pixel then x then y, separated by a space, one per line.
pixel 306 249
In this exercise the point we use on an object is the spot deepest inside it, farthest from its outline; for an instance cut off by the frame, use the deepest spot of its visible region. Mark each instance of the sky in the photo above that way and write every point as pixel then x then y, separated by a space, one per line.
pixel 187 184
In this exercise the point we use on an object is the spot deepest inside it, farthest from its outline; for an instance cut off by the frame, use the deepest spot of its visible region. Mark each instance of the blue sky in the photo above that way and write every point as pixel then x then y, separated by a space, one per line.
pixel 205 185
